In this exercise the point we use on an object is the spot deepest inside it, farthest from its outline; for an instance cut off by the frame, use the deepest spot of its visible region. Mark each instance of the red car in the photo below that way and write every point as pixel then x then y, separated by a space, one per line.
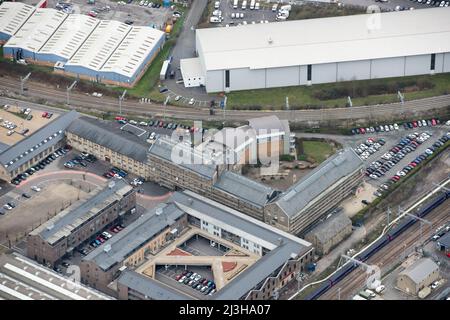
pixel 161 124
pixel 362 130
pixel 396 178
pixel 120 118
pixel 100 239
pixel 414 123
pixel 178 277
pixel 44 115
pixel 413 164
pixel 433 122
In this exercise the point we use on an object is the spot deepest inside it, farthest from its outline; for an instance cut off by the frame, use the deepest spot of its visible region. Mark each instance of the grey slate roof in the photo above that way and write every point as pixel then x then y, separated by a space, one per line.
pixel 298 196
pixel 63 223
pixel 134 236
pixel 105 134
pixel 149 287
pixel 3 147
pixel 420 270
pixel 163 148
pixel 26 149
pixel 330 227
pixel 244 188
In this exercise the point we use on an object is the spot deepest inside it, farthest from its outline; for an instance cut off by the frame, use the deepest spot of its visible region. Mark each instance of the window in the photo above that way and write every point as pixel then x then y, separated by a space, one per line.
pixel 433 61
pixel 227 78
pixel 309 72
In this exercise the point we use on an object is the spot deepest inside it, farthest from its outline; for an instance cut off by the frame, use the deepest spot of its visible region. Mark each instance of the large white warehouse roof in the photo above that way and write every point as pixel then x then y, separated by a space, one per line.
pixel 133 50
pixel 326 40
pixel 100 45
pixel 38 29
pixel 13 15
pixel 70 35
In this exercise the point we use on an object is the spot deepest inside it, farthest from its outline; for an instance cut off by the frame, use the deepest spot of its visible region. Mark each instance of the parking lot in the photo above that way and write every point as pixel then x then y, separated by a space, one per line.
pixel 16 125
pixel 246 16
pixel 401 147
pixel 118 10
pixel 192 280
pixel 200 246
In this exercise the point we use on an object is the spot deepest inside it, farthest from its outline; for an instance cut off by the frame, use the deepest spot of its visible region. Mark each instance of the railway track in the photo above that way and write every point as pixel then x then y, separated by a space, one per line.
pixel 391 253
pixel 104 104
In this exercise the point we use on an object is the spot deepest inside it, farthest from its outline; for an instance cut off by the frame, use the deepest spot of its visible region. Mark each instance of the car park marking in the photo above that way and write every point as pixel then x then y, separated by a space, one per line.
pixel 24 183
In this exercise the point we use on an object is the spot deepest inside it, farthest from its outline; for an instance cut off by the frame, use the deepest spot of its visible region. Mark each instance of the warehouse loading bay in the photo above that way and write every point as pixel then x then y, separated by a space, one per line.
pixel 131 13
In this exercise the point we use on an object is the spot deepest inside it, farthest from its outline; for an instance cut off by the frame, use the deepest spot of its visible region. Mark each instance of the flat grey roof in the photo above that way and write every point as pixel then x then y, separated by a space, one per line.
pixel 105 134
pixel 312 186
pixel 47 136
pixel 266 123
pixel 149 287
pixel 420 270
pixel 244 188
pixel 330 227
pixel 3 147
pixel 134 236
pixel 325 40
pixel 77 214
pixel 166 148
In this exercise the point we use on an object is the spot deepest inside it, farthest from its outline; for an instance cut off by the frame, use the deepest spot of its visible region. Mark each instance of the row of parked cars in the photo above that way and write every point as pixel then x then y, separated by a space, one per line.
pixel 41 165
pixel 196 281
pixel 105 236
pixel 419 159
pixel 369 147
pixel 396 126
pixel 396 154
pixel 159 124
pixel 435 3
pixel 80 160
pixel 115 173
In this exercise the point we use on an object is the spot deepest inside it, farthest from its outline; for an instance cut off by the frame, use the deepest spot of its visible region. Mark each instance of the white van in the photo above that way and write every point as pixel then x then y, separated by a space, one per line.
pixel 235 4
pixel 275 7
pixel 244 5
pixel 257 6
pixel 252 4
pixel 214 20
pixel 216 5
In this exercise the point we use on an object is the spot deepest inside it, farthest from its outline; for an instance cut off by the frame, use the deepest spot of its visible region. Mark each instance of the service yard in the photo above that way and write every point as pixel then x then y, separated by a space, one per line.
pixel 29 213
pixel 11 115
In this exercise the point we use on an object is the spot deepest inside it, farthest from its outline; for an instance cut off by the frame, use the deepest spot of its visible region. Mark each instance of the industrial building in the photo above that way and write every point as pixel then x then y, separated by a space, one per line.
pixel 115 265
pixel 79 222
pixel 77 45
pixel 308 52
pixel 12 16
pixel 419 275
pixel 26 153
pixel 24 279
pixel 328 234
pixel 443 244
pixel 315 194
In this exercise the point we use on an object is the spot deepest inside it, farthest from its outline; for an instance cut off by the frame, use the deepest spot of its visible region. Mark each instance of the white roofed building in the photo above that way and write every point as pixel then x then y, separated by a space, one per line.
pixel 34 34
pixel 12 16
pixel 324 50
pixel 68 38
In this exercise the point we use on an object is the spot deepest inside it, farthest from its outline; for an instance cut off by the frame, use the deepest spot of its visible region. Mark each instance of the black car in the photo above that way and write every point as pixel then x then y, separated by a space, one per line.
pixel 26 195
pixel 11 204
pixel 161 90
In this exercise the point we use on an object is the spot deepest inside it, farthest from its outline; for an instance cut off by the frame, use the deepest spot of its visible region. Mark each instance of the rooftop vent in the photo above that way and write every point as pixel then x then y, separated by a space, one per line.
pixel 190 201
pixel 159 211
pixel 50 227
pixel 270 41
pixel 107 248
pixel 111 184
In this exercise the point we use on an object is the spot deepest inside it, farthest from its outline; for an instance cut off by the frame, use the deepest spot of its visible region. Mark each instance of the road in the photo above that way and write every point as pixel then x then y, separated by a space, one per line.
pixel 83 102
pixel 391 253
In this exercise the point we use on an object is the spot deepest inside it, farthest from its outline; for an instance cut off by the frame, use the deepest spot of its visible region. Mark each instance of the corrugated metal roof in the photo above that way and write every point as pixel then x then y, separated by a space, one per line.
pixel 37 30
pixel 13 15
pixel 134 236
pixel 148 287
pixel 100 45
pixel 133 50
pixel 310 188
pixel 47 136
pixel 103 133
pixel 244 188
pixel 326 40
pixel 70 35
pixel 420 270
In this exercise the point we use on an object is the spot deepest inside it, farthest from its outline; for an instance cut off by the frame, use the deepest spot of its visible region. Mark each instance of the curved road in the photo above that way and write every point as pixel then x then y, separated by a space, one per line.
pixel 83 102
